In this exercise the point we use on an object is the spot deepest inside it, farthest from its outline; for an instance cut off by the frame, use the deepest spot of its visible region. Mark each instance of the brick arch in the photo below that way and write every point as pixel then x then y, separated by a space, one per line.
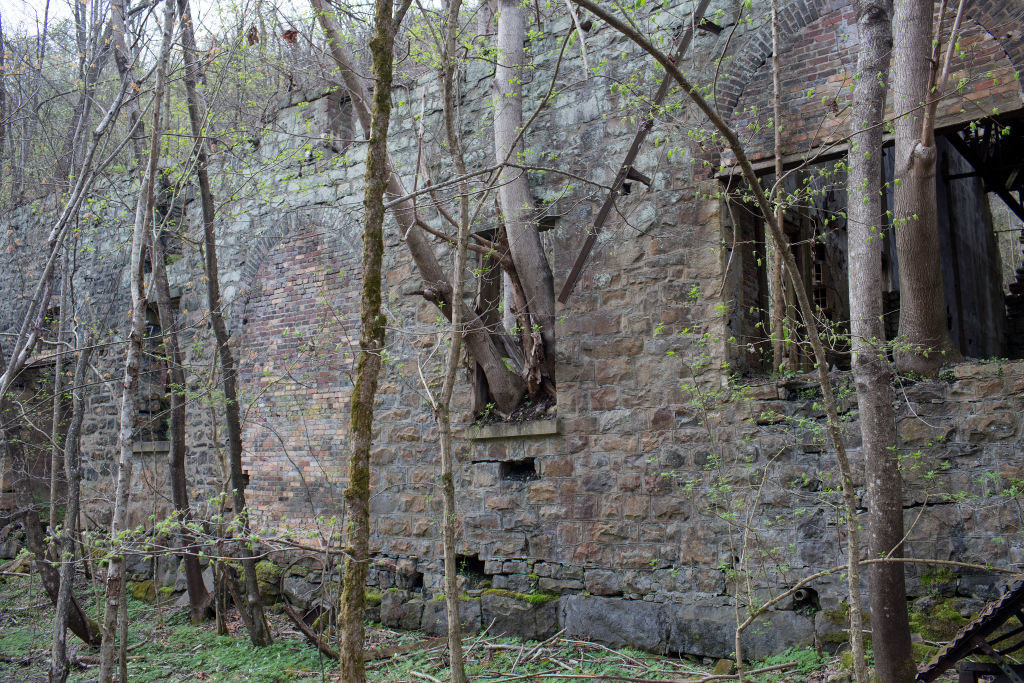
pixel 757 48
pixel 297 338
pixel 1002 19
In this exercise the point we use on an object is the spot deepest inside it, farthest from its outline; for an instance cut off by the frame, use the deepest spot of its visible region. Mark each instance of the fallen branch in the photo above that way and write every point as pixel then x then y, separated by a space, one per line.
pixel 310 635
pixel 726 677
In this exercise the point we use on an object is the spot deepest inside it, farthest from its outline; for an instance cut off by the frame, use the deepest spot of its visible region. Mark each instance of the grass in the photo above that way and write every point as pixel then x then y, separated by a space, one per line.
pixel 166 647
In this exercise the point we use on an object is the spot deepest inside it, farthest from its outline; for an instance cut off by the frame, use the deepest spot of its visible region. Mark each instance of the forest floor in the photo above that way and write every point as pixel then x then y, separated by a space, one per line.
pixel 165 646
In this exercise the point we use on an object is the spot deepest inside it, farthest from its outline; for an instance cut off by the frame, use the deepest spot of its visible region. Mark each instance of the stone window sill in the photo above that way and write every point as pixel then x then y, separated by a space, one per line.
pixel 151 448
pixel 513 430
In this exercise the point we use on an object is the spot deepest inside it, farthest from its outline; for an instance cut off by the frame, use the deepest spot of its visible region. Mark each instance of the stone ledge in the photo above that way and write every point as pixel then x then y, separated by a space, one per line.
pixel 151 447
pixel 512 430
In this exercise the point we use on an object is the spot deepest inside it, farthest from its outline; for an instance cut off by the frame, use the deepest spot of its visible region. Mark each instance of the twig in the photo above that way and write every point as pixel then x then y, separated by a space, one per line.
pixel 598 646
pixel 724 677
pixel 426 677
pixel 533 653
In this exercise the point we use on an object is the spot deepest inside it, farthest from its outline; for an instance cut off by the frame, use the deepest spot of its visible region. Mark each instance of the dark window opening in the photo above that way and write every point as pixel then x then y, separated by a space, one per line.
pixel 152 423
pixel 48 330
pixel 979 187
pixel 518 470
pixel 170 220
pixel 338 123
pixel 472 567
pixel 806 600
pixel 410 581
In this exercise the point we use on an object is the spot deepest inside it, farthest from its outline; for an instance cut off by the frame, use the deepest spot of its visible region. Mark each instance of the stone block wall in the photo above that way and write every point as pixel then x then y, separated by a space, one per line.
pixel 629 507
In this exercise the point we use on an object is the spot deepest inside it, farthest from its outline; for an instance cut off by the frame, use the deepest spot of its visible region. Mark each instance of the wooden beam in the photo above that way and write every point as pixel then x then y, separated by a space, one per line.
pixel 992 184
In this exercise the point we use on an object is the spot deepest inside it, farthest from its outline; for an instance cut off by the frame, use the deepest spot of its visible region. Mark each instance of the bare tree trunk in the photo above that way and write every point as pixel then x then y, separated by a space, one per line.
pixel 442 408
pixel 506 387
pixel 260 633
pixel 514 192
pixel 806 310
pixel 5 125
pixel 371 344
pixel 114 584
pixel 777 284
pixel 894 660
pixel 72 470
pixel 124 70
pixel 58 380
pixel 198 597
pixel 925 341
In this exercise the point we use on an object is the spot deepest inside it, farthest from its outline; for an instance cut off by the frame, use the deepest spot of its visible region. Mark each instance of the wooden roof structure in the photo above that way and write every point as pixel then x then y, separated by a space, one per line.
pixel 983 636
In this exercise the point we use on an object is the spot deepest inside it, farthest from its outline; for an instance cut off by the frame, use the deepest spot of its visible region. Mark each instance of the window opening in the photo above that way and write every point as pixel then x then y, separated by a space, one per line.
pixel 518 470
pixel 152 423
pixel 980 183
pixel 472 567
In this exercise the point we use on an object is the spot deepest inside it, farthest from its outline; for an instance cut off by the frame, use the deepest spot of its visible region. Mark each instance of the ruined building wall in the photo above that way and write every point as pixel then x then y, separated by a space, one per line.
pixel 629 506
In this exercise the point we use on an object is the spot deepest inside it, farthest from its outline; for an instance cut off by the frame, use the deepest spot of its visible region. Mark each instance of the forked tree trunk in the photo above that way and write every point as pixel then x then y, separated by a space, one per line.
pixel 925 343
pixel 894 662
pixel 72 469
pixel 517 206
pixel 199 600
pixel 259 634
pixel 114 584
pixel 506 387
pixel 371 346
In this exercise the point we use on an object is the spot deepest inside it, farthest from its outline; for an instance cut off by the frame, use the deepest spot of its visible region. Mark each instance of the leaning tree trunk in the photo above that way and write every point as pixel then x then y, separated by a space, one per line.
pixel 58 391
pixel 925 344
pixel 890 630
pixel 259 634
pixel 133 357
pixel 199 599
pixel 72 470
pixel 517 206
pixel 506 387
pixel 371 347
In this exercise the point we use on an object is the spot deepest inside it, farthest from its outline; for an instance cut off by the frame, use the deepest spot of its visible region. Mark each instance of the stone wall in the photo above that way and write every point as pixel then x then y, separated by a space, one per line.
pixel 622 518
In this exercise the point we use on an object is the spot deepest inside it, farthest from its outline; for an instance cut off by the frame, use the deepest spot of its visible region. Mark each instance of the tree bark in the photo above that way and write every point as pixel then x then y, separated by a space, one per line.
pixel 524 242
pixel 894 660
pixel 442 407
pixel 371 345
pixel 72 468
pixel 506 387
pixel 199 600
pixel 777 284
pixel 925 343
pixel 260 633
pixel 58 382
pixel 114 584
pixel 4 123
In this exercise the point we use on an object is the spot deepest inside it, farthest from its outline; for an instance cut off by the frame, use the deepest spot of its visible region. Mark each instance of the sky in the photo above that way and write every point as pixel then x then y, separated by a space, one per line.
pixel 24 13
